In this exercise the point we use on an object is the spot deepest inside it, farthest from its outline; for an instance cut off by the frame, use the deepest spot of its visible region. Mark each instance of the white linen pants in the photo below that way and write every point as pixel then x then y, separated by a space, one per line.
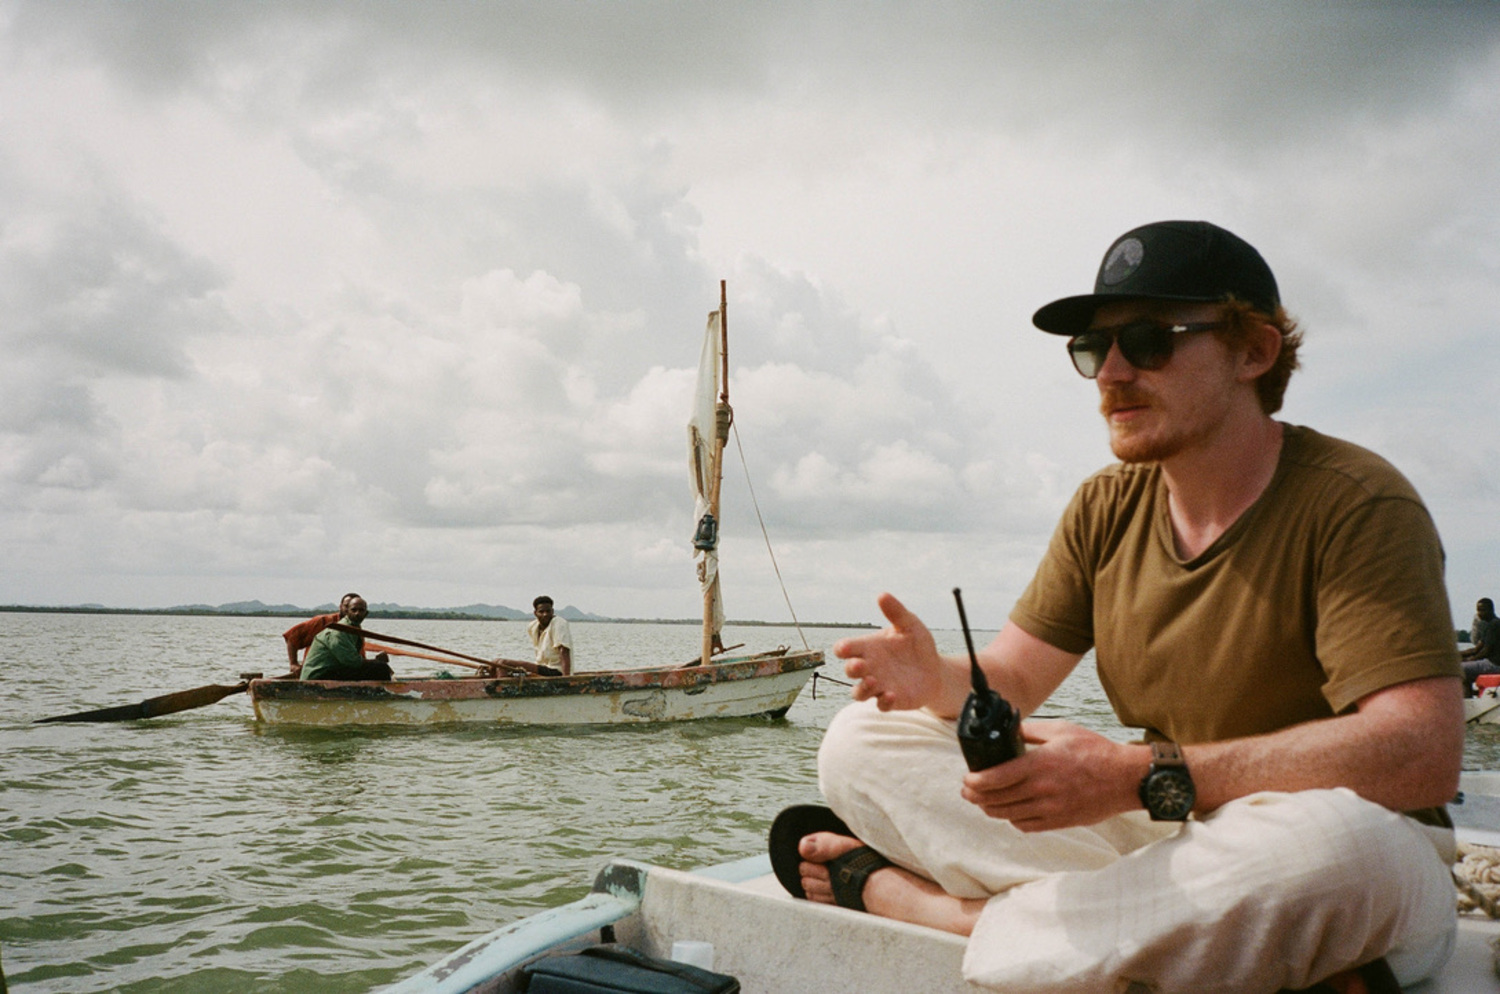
pixel 1273 890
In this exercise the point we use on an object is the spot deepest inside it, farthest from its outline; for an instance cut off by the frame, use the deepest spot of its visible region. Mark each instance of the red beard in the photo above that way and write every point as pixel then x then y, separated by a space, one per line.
pixel 1126 439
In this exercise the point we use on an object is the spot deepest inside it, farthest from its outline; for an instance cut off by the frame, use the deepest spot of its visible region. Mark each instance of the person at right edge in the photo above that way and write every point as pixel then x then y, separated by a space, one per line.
pixel 1266 605
pixel 1483 656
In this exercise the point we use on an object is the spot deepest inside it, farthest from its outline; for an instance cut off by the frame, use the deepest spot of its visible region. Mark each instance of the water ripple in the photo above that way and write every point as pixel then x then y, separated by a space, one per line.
pixel 204 852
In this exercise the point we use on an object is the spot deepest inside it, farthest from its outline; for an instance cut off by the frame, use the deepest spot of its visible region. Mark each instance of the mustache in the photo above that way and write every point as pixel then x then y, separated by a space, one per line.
pixel 1113 398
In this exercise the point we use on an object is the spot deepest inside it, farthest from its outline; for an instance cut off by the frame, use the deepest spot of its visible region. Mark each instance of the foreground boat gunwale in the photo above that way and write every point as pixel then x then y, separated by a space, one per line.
pixel 627 894
pixel 680 901
pixel 616 894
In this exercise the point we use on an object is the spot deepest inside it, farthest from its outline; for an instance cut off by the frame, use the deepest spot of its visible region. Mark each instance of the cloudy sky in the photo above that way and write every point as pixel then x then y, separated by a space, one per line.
pixel 297 298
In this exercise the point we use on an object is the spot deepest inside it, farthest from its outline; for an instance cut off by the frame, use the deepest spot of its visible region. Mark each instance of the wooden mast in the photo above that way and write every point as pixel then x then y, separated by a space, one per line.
pixel 721 436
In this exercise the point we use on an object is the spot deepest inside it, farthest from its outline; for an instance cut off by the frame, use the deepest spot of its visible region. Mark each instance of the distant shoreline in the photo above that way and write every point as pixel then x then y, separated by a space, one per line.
pixel 412 615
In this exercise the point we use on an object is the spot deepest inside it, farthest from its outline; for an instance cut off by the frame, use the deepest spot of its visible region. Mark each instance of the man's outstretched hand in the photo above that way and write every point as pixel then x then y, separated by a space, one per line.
pixel 899 667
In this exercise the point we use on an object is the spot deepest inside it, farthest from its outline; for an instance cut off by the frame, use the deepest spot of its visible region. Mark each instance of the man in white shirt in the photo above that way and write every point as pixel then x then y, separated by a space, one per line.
pixel 551 637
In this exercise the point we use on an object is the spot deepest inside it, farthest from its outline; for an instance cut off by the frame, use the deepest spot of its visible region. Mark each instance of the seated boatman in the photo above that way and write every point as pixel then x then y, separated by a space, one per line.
pixel 340 655
pixel 552 640
pixel 550 637
pixel 299 637
pixel 1266 604
pixel 1483 656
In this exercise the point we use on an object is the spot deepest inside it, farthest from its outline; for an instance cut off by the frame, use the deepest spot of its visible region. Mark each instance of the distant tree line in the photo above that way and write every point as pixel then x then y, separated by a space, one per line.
pixel 403 614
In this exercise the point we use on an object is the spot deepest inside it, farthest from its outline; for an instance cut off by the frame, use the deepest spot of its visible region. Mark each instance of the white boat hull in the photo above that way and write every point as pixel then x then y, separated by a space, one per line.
pixel 734 688
pixel 775 944
pixel 770 942
pixel 1482 710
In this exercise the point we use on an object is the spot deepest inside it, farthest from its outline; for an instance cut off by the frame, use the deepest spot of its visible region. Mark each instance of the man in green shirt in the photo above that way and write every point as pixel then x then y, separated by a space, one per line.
pixel 340 655
pixel 1266 606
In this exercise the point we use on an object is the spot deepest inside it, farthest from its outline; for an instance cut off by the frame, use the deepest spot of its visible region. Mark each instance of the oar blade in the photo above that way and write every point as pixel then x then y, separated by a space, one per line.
pixel 125 712
pixel 155 707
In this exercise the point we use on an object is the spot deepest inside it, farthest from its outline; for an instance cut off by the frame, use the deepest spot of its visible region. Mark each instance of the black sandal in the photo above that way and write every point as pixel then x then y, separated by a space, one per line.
pixel 847 874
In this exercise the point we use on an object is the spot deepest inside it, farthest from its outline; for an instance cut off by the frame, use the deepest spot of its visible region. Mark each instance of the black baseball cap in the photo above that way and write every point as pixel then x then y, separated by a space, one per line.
pixel 1169 260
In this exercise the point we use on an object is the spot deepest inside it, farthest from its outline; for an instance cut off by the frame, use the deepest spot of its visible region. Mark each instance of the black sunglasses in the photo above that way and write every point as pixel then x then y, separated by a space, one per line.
pixel 1144 344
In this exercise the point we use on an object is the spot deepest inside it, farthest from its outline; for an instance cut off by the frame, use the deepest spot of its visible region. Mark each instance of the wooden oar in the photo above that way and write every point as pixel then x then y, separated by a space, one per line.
pixel 155 707
pixel 514 664
pixel 392 650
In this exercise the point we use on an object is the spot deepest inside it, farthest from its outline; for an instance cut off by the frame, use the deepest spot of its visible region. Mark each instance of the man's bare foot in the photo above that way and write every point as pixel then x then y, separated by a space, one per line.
pixel 817 850
pixel 890 892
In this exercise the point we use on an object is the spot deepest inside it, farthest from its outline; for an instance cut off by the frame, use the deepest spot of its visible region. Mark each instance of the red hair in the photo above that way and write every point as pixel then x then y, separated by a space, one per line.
pixel 1241 318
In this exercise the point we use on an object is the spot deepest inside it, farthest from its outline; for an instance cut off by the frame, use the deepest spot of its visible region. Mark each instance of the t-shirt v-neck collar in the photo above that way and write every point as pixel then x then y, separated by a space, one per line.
pixel 1163 523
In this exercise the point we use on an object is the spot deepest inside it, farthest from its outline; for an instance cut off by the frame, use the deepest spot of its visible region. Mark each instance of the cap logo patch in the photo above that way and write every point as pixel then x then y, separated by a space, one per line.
pixel 1123 260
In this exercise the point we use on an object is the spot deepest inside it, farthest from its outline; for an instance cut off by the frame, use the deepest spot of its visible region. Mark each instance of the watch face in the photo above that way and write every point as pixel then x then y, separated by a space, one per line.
pixel 1169 795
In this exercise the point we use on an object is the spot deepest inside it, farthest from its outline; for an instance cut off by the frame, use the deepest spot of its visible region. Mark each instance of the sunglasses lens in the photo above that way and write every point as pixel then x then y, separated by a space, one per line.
pixel 1088 352
pixel 1145 345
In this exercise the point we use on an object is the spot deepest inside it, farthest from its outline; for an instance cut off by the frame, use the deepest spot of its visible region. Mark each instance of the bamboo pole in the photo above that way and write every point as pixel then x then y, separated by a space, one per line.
pixel 721 436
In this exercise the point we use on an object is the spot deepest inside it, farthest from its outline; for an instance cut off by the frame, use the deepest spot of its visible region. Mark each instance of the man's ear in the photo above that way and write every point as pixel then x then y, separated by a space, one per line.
pixel 1262 346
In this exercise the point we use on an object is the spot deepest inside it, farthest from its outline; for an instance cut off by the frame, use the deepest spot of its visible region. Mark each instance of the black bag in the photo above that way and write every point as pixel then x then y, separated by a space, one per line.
pixel 621 970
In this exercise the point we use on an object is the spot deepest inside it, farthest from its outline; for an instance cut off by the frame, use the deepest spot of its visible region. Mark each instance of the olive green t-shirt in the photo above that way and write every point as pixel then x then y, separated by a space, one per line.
pixel 334 655
pixel 1328 588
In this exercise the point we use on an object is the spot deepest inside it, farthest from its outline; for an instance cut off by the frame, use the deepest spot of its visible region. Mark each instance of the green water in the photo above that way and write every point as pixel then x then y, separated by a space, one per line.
pixel 204 852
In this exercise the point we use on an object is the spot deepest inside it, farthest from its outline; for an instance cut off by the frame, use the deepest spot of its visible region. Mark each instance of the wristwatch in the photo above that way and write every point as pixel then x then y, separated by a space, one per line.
pixel 1167 789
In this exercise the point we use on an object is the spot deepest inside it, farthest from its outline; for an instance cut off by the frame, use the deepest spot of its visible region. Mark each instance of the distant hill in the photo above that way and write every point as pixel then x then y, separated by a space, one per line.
pixel 494 612
pixel 573 614
pixel 385 609
pixel 248 607
pixel 469 612
pixel 380 609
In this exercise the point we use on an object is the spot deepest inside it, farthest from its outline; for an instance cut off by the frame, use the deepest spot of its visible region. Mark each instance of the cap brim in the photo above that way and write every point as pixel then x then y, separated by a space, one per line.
pixel 1072 315
pixel 1068 316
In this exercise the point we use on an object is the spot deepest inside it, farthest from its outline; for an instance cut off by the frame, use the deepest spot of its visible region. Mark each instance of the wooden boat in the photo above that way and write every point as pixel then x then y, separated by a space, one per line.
pixel 713 686
pixel 775 944
pixel 733 687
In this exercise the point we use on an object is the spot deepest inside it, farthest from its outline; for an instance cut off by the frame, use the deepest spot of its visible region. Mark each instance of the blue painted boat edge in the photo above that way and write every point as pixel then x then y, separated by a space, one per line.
pixel 616 894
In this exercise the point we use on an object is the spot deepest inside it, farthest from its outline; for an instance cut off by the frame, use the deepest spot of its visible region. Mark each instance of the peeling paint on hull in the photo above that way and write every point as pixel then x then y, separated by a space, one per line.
pixel 733 688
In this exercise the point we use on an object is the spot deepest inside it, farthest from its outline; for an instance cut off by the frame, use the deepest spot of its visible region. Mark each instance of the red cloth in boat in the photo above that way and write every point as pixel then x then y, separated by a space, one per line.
pixel 300 636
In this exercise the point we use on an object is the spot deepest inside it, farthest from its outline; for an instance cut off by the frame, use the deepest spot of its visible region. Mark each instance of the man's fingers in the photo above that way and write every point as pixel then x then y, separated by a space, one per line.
pixel 902 622
pixel 896 613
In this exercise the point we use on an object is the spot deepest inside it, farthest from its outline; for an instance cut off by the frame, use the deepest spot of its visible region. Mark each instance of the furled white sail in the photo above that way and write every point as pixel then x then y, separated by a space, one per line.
pixel 704 453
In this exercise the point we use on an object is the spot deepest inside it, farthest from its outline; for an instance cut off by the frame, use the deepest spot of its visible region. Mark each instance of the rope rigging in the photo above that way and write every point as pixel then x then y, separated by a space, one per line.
pixel 766 535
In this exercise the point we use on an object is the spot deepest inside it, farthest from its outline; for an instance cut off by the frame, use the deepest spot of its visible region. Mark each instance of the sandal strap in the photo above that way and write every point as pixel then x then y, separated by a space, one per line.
pixel 848 874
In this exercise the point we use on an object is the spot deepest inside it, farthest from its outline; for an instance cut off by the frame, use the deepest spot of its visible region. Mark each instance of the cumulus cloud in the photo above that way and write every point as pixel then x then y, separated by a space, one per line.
pixel 304 296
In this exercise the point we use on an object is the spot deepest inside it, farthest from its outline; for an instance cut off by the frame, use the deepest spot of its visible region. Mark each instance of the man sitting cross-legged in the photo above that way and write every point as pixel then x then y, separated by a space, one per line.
pixel 1266 604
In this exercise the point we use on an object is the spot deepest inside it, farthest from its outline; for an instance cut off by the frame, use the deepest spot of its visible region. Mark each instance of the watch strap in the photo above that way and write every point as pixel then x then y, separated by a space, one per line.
pixel 1166 754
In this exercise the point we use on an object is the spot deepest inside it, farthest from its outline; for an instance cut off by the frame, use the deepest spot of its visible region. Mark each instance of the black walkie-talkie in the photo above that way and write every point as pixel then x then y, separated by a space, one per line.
pixel 989 729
